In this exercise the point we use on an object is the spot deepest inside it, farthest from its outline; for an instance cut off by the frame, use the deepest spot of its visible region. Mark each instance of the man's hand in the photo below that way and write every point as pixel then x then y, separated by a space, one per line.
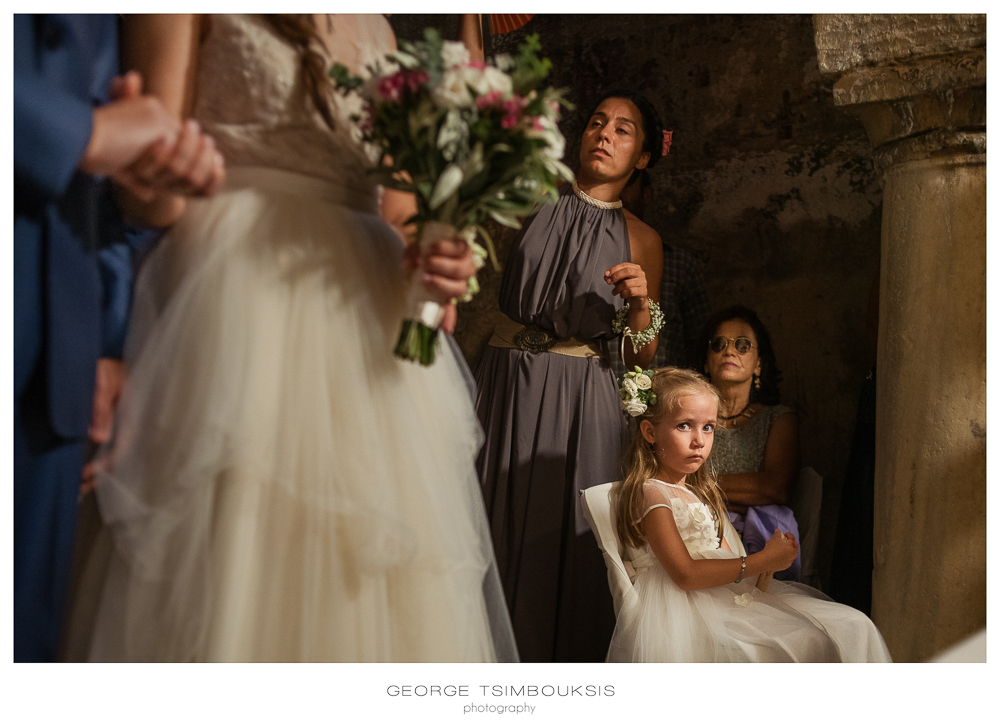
pixel 141 146
pixel 107 391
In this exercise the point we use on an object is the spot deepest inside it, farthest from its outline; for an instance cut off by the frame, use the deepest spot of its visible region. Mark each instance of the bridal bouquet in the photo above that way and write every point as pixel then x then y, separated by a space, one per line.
pixel 471 140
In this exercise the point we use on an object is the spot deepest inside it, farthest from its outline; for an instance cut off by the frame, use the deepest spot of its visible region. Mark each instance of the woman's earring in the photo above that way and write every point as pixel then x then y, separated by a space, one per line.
pixel 756 382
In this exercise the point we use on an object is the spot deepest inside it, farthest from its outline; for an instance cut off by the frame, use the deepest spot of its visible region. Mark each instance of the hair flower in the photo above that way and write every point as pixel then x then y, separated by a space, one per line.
pixel 668 137
pixel 636 389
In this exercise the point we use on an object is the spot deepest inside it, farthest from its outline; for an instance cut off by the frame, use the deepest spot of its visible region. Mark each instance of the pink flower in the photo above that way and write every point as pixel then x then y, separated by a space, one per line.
pixel 415 79
pixel 477 64
pixel 511 114
pixel 536 123
pixel 490 99
pixel 390 87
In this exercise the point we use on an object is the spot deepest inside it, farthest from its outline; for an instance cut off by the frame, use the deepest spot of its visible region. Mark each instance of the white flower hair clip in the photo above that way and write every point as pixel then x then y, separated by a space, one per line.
pixel 636 390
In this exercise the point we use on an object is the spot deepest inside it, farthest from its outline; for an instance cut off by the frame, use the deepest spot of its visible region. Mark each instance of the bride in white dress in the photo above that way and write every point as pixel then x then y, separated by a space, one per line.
pixel 696 599
pixel 282 487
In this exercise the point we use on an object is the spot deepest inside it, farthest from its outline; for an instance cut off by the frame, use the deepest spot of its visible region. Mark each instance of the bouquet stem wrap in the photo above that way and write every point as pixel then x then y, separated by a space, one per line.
pixel 418 334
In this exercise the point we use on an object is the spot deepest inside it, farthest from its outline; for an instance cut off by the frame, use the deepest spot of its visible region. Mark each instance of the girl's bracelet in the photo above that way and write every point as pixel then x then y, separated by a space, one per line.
pixel 743 568
pixel 618 326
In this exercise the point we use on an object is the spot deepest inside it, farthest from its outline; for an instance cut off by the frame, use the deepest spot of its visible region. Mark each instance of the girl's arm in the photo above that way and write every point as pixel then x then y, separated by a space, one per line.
pixel 164 49
pixel 772 485
pixel 689 574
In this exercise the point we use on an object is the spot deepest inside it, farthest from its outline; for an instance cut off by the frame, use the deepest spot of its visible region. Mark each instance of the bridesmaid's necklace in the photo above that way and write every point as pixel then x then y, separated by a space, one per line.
pixel 588 199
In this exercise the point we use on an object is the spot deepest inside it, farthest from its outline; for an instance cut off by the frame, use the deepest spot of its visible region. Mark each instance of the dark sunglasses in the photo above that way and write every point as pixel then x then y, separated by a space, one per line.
pixel 719 344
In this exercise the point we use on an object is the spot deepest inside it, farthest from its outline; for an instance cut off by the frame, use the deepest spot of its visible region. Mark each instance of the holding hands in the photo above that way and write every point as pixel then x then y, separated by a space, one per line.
pixel 142 147
pixel 780 551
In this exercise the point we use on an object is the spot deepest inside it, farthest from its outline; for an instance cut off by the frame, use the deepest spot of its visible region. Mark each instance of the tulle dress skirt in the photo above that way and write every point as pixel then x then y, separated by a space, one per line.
pixel 283 488
pixel 791 622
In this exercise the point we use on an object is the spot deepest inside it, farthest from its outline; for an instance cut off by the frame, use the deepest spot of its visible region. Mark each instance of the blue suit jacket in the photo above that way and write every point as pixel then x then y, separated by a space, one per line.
pixel 72 274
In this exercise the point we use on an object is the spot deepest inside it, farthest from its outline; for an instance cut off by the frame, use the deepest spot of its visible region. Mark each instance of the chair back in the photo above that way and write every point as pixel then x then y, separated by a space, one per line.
pixel 806 502
pixel 600 514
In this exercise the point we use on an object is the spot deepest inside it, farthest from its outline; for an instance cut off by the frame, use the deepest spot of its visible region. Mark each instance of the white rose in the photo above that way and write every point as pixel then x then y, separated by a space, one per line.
pixel 453 92
pixel 630 387
pixel 487 80
pixel 549 132
pixel 633 407
pixel 643 382
pixel 504 61
pixel 743 600
pixel 453 54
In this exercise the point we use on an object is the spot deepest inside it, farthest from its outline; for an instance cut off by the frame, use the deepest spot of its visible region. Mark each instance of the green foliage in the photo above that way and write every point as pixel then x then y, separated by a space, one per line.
pixel 471 145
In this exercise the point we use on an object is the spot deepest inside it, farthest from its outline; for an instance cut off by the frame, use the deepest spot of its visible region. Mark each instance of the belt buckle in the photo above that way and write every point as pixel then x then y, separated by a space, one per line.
pixel 534 339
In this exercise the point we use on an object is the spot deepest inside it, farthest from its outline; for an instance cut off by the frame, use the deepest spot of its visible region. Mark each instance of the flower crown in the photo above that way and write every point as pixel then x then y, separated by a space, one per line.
pixel 636 390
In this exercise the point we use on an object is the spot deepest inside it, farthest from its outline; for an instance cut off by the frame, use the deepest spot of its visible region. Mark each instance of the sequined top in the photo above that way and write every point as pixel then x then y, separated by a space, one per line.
pixel 741 450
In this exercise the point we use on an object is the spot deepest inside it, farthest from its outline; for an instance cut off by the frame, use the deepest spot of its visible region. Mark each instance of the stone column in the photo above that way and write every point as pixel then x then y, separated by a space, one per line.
pixel 918 82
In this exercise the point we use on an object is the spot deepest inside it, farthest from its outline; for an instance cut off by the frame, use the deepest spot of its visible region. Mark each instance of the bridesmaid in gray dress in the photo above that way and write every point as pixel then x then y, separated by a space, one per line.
pixel 546 395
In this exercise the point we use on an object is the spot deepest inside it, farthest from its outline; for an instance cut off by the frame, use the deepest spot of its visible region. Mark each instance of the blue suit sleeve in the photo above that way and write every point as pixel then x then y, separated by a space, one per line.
pixel 118 264
pixel 115 263
pixel 52 129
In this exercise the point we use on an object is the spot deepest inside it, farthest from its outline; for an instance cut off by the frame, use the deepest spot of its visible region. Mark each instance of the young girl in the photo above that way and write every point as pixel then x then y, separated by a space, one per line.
pixel 696 595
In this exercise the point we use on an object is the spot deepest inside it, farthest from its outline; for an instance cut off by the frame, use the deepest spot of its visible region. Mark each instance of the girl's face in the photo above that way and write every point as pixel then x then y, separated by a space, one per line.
pixel 729 366
pixel 612 141
pixel 683 439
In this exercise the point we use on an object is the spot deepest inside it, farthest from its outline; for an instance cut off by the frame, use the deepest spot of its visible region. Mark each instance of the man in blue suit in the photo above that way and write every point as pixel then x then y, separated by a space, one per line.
pixel 76 128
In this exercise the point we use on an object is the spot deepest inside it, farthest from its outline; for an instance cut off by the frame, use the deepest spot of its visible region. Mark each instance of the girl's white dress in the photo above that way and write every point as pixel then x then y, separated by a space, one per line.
pixel 734 622
pixel 283 488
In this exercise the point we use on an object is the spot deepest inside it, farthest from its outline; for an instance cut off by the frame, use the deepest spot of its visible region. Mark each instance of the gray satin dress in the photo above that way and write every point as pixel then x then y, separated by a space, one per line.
pixel 554 427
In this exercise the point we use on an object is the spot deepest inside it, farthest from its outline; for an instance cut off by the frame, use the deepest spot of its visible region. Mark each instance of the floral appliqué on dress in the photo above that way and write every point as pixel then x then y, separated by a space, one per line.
pixel 697 526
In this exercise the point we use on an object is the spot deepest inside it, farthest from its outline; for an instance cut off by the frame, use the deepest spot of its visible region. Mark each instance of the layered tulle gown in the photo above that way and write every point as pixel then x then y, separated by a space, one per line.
pixel 283 488
pixel 735 622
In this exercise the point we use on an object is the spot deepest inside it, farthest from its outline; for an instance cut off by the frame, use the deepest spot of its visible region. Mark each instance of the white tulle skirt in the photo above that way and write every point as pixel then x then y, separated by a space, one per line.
pixel 283 488
pixel 791 622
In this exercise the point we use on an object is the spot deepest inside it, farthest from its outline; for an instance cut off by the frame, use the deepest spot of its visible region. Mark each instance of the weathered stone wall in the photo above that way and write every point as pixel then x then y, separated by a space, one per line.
pixel 849 42
pixel 767 183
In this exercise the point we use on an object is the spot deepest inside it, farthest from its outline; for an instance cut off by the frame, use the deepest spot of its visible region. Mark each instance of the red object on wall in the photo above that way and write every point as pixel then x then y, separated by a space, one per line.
pixel 500 24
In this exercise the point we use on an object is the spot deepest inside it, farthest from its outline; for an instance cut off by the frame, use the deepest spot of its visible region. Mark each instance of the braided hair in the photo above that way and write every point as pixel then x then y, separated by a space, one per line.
pixel 300 32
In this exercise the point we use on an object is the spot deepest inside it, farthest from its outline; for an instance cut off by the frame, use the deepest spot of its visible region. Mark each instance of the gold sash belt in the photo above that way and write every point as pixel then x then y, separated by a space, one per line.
pixel 510 334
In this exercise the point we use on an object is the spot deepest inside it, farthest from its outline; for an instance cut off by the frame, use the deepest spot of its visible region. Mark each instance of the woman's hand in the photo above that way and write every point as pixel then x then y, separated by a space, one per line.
pixel 192 166
pixel 780 551
pixel 445 268
pixel 629 281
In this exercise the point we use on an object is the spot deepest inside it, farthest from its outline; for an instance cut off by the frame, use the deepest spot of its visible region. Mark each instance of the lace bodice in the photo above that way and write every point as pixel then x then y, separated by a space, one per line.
pixel 251 98
pixel 694 519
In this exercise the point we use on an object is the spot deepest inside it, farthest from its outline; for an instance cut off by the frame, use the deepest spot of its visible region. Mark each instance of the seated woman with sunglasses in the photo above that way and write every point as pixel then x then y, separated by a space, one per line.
pixel 756 454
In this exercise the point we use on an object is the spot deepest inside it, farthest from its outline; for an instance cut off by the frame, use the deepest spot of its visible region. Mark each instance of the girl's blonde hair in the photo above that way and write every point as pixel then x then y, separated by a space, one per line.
pixel 639 463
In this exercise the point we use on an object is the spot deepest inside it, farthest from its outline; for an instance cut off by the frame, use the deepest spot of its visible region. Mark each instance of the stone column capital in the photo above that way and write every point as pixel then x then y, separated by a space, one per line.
pixel 917 82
